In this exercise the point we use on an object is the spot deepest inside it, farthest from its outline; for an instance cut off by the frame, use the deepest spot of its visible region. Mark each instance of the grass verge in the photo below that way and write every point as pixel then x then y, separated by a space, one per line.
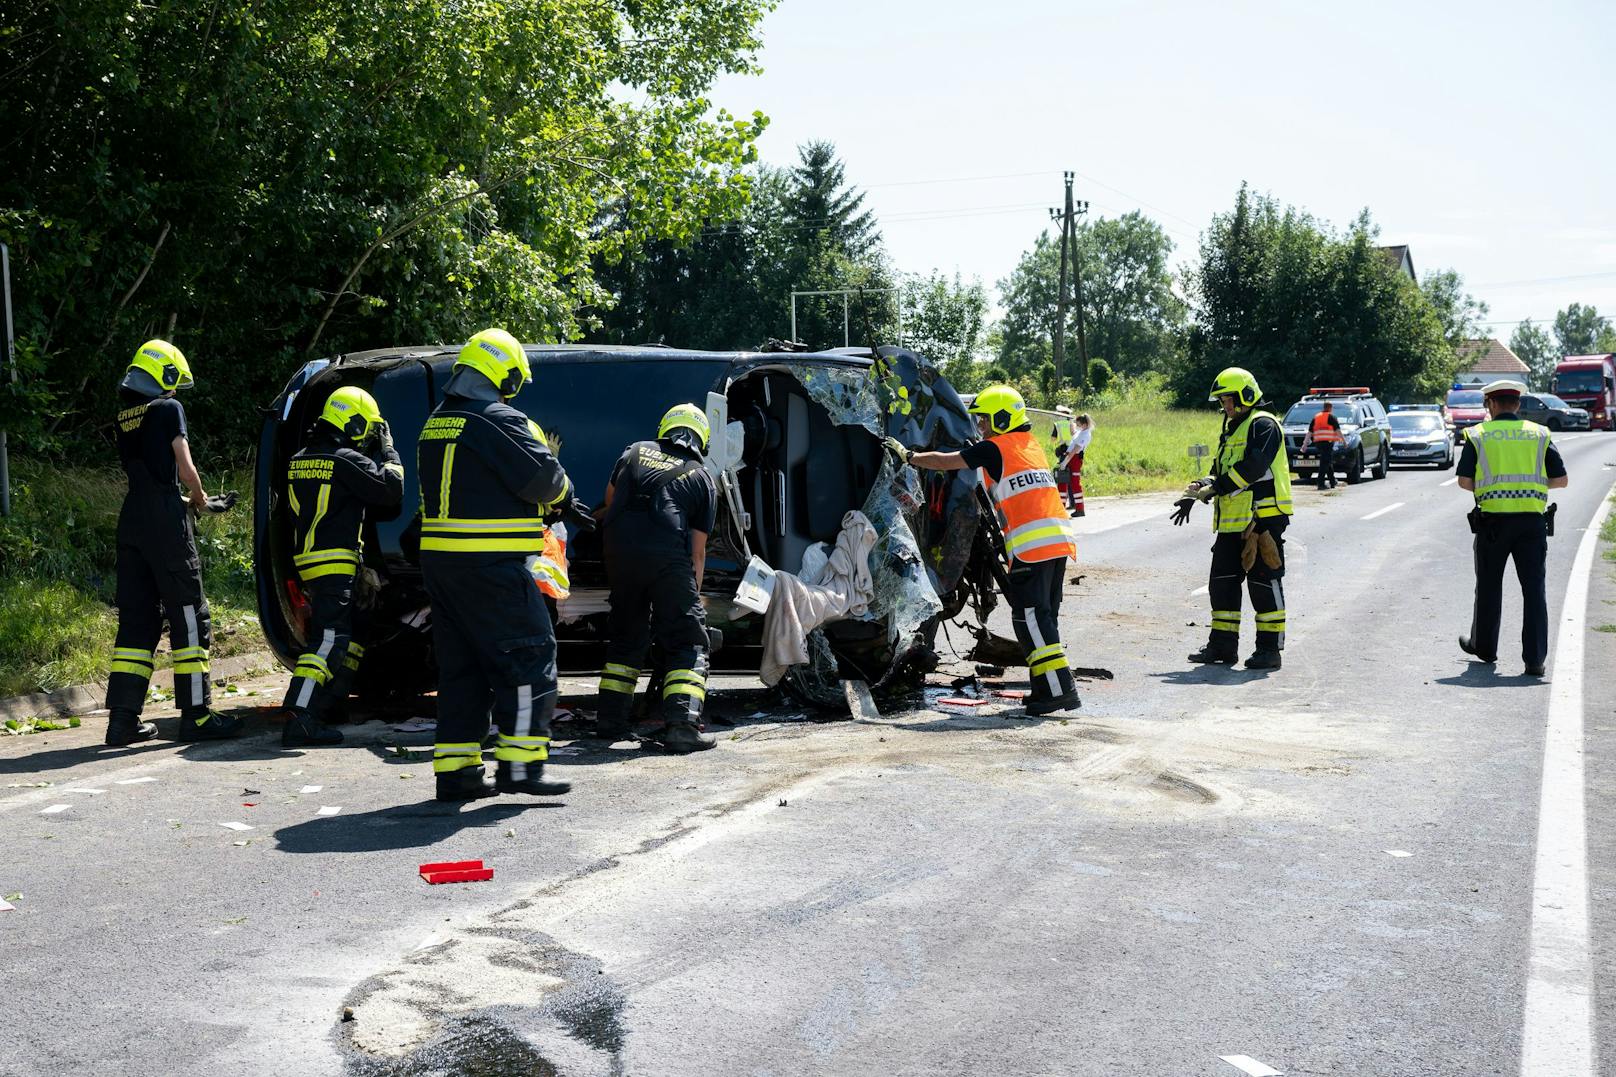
pixel 58 574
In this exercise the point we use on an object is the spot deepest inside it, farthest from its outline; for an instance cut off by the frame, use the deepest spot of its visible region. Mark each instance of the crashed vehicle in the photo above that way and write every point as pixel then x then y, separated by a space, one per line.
pixel 796 444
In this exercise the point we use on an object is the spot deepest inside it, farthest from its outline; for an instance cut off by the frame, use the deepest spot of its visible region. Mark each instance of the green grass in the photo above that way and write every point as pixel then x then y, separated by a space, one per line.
pixel 57 574
pixel 1607 532
pixel 1138 449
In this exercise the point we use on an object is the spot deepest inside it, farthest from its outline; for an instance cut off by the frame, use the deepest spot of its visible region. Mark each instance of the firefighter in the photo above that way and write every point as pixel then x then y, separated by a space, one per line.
pixel 661 504
pixel 1510 465
pixel 1250 491
pixel 1037 534
pixel 159 574
pixel 486 475
pixel 348 466
pixel 1325 432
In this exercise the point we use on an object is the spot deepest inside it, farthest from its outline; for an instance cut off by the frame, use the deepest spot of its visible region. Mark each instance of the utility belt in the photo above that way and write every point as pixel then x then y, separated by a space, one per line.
pixel 1480 521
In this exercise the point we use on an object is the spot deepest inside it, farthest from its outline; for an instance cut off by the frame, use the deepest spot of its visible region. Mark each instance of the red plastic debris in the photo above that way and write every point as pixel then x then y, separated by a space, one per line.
pixel 958 701
pixel 456 871
pixel 1013 693
pixel 249 804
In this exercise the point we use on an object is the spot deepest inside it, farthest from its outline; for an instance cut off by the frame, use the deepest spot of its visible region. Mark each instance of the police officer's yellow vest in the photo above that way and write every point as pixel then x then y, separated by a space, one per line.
pixel 1511 466
pixel 1233 512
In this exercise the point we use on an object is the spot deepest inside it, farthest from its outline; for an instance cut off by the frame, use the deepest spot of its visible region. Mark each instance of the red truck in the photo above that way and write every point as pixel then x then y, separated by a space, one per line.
pixel 1589 382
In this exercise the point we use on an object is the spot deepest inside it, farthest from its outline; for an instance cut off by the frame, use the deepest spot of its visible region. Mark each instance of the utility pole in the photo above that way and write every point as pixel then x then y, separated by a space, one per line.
pixel 1064 216
pixel 1077 283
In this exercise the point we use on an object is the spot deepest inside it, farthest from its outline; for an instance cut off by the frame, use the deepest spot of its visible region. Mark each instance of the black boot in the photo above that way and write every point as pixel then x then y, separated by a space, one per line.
pixel 1066 702
pixel 200 723
pixel 1218 653
pixel 467 783
pixel 303 730
pixel 682 738
pixel 612 711
pixel 1469 648
pixel 125 727
pixel 1263 659
pixel 528 778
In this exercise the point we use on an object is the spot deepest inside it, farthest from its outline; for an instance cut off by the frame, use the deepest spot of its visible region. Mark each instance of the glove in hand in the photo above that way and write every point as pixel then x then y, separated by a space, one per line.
pixel 1205 492
pixel 577 514
pixel 220 503
pixel 1181 512
pixel 899 449
pixel 384 437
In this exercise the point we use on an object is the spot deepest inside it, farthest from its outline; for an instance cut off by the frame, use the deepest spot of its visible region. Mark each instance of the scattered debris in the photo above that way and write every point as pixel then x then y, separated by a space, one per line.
pixel 417 725
pixel 989 671
pixel 251 792
pixel 961 701
pixel 22 727
pixel 347 1013
pixel 7 906
pixel 782 802
pixel 82 789
pixel 54 808
pixel 237 826
pixel 241 844
pixel 412 756
pixel 311 789
pixel 1012 693
pixel 1093 672
pixel 965 682
pixel 510 833
pixel 456 871
pixel 327 809
pixel 236 921
pixel 249 804
pixel 859 700
pixel 29 785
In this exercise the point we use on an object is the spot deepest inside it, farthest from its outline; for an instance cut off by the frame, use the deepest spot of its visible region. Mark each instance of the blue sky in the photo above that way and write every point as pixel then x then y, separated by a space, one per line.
pixel 1478 133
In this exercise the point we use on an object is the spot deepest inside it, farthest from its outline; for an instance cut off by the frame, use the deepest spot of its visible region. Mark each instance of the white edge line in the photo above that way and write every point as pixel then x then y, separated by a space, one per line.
pixel 1394 506
pixel 1557 1034
pixel 1451 481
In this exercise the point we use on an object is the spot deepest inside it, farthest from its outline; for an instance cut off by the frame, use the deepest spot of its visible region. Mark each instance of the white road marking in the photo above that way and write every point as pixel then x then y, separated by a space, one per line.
pixel 54 808
pixel 1201 590
pixel 1451 481
pixel 1558 1026
pixel 1381 512
pixel 1248 1065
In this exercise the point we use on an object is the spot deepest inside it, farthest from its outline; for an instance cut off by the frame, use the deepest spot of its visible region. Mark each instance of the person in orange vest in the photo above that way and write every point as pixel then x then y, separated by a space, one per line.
pixel 1325 432
pixel 1037 534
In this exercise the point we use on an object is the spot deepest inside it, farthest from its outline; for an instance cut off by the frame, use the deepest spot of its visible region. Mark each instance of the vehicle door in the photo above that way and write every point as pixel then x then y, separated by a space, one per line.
pixel 1533 409
pixel 1377 431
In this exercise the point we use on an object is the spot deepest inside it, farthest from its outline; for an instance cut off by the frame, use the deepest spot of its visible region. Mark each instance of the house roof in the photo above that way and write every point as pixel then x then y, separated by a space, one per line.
pixel 1400 260
pixel 1489 357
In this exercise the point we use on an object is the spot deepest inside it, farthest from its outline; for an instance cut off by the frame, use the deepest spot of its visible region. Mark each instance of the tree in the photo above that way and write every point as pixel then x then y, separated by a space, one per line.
pixel 828 212
pixel 1459 312
pixel 1132 314
pixel 1537 350
pixel 943 318
pixel 1577 329
pixel 1279 293
pixel 264 183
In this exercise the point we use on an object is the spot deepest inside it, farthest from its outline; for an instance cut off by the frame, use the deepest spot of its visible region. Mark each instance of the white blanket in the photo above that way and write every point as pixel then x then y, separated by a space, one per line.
pixel 797 608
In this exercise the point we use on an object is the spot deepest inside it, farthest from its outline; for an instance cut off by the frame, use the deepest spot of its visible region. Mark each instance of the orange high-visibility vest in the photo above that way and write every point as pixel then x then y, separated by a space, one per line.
pixel 1035 524
pixel 1322 430
pixel 550 568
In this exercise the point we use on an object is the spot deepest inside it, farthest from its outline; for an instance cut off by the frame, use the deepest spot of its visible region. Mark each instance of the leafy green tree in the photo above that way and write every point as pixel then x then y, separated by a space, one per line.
pixel 1460 313
pixel 1132 313
pixel 1537 350
pixel 1577 329
pixel 263 183
pixel 1279 293
pixel 944 318
pixel 1605 343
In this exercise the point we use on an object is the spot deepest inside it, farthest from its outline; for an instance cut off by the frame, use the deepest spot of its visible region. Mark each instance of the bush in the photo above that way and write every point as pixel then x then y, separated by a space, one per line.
pixel 1099 375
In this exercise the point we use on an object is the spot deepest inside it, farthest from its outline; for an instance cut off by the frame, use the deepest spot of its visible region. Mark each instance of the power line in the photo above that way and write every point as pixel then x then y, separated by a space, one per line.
pixel 1546 280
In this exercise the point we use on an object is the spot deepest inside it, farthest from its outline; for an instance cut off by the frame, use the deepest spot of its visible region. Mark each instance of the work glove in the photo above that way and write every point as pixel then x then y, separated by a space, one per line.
pixel 384 438
pixel 577 515
pixel 220 503
pixel 1181 513
pixel 1248 550
pixel 1268 550
pixel 1202 490
pixel 898 449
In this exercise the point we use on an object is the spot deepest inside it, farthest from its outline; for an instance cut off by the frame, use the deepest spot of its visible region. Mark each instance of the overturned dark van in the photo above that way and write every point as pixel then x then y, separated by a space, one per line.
pixel 796 444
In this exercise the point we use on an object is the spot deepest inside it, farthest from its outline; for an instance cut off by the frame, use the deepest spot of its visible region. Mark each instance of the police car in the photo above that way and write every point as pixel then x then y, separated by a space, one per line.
pixel 1366 433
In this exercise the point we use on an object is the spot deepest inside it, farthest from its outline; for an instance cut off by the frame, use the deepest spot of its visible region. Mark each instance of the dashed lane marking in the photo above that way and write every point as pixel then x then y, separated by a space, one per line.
pixel 1381 512
pixel 1557 1035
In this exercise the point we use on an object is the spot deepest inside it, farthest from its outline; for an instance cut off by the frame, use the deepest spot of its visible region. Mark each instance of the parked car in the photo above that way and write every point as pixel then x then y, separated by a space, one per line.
pixel 796 444
pixel 1548 410
pixel 1440 409
pixel 1465 408
pixel 1366 434
pixel 1420 437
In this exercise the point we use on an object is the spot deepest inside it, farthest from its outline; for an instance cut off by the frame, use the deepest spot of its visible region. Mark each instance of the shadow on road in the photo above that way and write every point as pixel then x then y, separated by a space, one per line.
pixel 1485 675
pixel 402 826
pixel 1211 675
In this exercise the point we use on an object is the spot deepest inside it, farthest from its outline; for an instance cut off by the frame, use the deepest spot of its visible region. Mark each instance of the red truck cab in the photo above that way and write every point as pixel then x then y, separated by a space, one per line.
pixel 1465 407
pixel 1589 382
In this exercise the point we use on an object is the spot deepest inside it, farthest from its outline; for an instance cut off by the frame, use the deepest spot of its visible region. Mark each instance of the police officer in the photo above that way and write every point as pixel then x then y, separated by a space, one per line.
pixel 1510 465
pixel 159 573
pixel 348 466
pixel 1250 491
pixel 1037 534
pixel 661 504
pixel 486 473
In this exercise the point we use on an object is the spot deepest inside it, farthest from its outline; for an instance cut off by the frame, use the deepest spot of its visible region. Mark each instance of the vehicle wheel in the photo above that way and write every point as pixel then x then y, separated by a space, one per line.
pixel 1355 468
pixel 1383 463
pixel 1444 465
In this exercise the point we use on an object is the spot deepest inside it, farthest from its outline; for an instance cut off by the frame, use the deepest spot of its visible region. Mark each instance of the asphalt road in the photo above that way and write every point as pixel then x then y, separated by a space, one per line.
pixel 1199 863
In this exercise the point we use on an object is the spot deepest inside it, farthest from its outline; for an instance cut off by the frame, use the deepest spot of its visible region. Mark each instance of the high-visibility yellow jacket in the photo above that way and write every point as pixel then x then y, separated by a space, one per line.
pixel 1511 466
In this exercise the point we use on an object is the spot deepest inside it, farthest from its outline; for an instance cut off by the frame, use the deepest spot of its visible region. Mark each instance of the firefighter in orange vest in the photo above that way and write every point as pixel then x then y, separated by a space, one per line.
pixel 1325 432
pixel 1037 534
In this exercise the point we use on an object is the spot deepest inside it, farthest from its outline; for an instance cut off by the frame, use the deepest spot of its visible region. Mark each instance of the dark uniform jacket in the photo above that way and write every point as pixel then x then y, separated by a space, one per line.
pixel 660 494
pixel 330 484
pixel 154 518
pixel 485 474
